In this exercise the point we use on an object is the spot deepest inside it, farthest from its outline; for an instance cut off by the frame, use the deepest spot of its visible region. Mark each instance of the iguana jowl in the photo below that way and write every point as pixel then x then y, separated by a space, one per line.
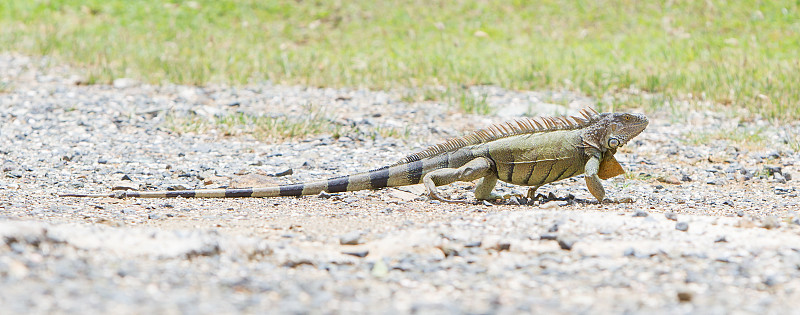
pixel 528 152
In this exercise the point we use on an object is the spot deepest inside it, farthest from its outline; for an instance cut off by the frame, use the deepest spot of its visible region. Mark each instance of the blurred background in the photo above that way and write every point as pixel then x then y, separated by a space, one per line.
pixel 723 55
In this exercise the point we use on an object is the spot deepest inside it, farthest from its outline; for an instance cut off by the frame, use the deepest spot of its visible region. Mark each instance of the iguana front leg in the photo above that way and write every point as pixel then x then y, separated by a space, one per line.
pixel 477 168
pixel 592 179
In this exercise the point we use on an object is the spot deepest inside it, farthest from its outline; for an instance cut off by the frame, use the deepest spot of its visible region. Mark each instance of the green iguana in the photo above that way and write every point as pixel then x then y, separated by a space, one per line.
pixel 528 152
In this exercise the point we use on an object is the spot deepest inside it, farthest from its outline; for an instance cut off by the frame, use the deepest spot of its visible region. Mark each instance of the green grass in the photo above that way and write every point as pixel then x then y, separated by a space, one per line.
pixel 734 53
pixel 751 137
pixel 458 97
pixel 5 87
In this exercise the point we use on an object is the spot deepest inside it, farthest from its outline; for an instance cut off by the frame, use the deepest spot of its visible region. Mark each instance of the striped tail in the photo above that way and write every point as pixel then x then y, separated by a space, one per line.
pixel 408 173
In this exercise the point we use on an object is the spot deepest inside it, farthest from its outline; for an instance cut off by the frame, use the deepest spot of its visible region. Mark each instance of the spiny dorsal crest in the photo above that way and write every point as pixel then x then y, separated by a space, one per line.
pixel 507 129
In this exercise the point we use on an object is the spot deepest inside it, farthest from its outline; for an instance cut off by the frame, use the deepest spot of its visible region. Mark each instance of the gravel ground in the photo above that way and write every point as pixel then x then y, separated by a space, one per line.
pixel 712 227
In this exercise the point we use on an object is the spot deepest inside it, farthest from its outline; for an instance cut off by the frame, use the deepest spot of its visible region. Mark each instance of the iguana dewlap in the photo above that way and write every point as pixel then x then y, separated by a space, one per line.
pixel 528 152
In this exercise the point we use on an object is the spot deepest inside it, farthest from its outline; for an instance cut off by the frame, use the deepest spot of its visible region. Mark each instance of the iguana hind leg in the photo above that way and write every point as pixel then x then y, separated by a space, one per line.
pixel 477 168
pixel 483 191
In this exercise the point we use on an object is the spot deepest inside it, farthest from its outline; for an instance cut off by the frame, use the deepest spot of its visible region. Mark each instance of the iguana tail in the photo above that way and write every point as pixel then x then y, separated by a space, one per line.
pixel 407 173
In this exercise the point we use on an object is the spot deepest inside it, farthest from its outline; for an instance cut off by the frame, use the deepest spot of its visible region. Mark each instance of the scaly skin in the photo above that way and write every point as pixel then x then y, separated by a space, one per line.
pixel 531 152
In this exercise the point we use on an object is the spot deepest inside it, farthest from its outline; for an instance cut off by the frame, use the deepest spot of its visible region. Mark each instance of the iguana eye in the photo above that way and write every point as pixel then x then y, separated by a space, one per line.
pixel 613 143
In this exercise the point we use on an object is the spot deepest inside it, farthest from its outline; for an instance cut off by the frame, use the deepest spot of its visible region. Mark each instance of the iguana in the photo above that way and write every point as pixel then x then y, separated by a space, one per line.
pixel 527 151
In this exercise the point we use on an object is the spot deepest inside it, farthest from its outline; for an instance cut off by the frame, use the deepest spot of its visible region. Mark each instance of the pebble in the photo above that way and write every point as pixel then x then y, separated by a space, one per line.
pixel 682 226
pixel 717 181
pixel 640 213
pixel 671 216
pixel 549 236
pixel 124 83
pixel 351 238
pixel 361 253
pixel 671 179
pixel 771 222
pixel 566 242
pixel 125 185
pixel 685 297
pixel 549 206
pixel 772 169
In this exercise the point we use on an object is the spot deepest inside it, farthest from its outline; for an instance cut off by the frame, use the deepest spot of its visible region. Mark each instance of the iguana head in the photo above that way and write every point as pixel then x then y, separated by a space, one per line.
pixel 614 130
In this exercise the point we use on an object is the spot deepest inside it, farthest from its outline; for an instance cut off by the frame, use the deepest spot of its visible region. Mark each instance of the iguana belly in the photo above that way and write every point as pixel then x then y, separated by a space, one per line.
pixel 539 172
pixel 538 159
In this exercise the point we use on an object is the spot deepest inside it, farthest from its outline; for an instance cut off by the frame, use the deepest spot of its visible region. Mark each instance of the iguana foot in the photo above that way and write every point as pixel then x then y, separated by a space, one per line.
pixel 435 196
pixel 493 197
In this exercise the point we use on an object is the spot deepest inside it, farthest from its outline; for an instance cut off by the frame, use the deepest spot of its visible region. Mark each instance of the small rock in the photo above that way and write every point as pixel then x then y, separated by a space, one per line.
pixel 175 186
pixel 553 228
pixel 285 172
pixel 360 253
pixel 627 199
pixel 719 157
pixel 721 239
pixel 771 222
pixel 17 269
pixel 472 244
pixel 379 269
pixel 350 200
pixel 324 195
pixel 720 181
pixel 495 242
pixel 449 250
pixel 686 178
pixel 487 203
pixel 629 252
pixel 566 242
pixel 671 179
pixel 352 238
pixel 216 181
pixel 787 176
pixel 123 83
pixel 671 216
pixel 771 281
pixel 682 226
pixel 772 170
pixel 125 185
pixel 640 213
pixel 549 206
pixel 402 195
pixel 76 80
pixel 549 236
pixel 740 213
pixel 728 203
pixel 779 178
pixel 684 297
